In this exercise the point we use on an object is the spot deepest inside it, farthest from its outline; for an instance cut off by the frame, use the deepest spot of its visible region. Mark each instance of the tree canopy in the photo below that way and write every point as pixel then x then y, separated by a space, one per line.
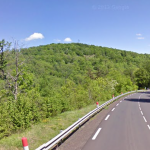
pixel 59 77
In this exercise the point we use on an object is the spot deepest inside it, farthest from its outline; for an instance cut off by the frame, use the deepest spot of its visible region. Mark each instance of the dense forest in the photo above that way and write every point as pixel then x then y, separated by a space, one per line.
pixel 41 82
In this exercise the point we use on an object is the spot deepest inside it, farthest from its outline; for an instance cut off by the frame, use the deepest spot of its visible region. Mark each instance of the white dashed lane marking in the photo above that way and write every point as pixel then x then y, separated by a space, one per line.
pixel 144 119
pixel 96 134
pixel 107 117
pixel 141 112
pixel 113 109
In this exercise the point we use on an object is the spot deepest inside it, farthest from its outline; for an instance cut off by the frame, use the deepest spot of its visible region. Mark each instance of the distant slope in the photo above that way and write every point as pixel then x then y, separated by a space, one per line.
pixel 75 61
pixel 64 77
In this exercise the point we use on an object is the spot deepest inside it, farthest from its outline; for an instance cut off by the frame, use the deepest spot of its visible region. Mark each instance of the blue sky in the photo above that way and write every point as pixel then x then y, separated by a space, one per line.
pixel 121 24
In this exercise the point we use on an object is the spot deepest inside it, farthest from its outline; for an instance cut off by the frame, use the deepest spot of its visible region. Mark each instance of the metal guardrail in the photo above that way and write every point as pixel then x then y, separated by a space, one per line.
pixel 57 139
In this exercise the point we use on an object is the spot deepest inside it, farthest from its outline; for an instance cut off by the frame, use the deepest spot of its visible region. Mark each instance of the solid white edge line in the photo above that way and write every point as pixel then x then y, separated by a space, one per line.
pixel 141 112
pixel 148 127
pixel 144 119
pixel 107 117
pixel 113 109
pixel 96 134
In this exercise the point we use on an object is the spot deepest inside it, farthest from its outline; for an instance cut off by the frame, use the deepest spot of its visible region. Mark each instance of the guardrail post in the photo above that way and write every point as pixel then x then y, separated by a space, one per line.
pixel 25 143
pixel 97 104
pixel 113 96
pixel 61 131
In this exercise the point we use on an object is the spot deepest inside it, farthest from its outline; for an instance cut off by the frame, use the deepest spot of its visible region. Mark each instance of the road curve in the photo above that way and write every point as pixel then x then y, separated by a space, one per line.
pixel 125 127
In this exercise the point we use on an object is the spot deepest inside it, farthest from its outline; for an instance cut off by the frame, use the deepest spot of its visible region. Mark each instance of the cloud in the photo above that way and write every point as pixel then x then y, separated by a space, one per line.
pixel 67 40
pixel 140 38
pixel 57 40
pixel 138 34
pixel 34 36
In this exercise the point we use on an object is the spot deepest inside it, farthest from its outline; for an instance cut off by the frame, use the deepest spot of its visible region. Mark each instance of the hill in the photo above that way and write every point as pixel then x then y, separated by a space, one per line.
pixel 63 77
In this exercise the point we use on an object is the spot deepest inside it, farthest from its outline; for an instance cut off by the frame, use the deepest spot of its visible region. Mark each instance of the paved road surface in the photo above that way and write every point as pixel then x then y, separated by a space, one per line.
pixel 125 127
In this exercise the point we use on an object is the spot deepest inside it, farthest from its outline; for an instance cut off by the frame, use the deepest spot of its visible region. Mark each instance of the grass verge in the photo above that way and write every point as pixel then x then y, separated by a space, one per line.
pixel 41 133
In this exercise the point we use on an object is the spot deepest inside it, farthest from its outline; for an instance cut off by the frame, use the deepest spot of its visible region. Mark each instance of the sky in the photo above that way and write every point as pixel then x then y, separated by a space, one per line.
pixel 120 24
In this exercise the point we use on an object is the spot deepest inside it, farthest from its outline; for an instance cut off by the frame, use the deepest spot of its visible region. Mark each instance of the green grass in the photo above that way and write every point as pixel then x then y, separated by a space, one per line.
pixel 41 133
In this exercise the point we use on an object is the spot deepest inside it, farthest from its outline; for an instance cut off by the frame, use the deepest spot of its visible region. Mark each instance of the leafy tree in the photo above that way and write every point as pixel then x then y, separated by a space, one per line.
pixel 142 78
pixel 50 79
pixel 3 62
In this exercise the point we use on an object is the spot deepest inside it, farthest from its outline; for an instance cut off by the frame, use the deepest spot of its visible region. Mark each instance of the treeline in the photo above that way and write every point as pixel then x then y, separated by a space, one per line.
pixel 41 82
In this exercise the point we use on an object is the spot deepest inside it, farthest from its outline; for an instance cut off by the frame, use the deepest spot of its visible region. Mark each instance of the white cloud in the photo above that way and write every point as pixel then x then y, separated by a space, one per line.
pixel 140 38
pixel 138 34
pixel 57 40
pixel 35 36
pixel 67 40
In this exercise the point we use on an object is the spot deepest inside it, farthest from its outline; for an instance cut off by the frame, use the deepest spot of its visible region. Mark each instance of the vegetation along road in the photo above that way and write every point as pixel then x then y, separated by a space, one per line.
pixel 39 84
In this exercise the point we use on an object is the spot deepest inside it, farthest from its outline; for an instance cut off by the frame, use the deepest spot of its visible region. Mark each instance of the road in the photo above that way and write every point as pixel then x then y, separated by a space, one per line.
pixel 125 127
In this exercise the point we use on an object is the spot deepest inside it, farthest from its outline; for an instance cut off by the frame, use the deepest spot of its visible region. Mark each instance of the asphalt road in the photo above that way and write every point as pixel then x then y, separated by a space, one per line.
pixel 125 127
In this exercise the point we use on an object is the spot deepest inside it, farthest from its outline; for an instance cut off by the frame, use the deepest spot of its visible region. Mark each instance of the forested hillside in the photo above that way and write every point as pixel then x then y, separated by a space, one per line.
pixel 41 82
